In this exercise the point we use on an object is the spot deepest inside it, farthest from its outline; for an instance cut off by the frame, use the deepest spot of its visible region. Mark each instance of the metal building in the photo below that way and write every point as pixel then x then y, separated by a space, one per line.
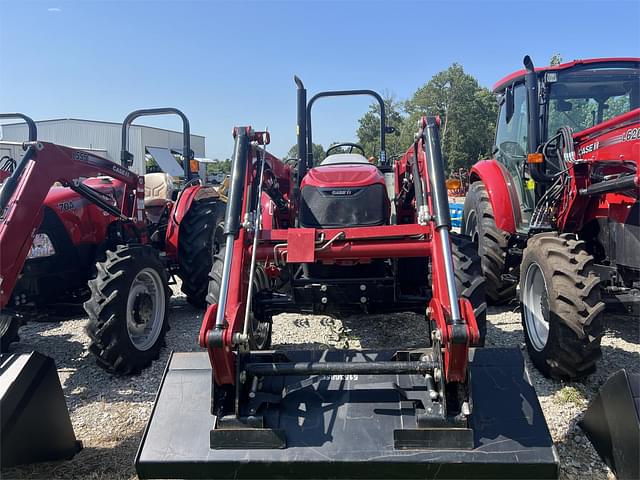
pixel 103 138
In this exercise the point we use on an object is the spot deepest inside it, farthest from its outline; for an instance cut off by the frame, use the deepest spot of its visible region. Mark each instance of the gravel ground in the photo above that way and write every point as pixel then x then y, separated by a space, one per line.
pixel 109 413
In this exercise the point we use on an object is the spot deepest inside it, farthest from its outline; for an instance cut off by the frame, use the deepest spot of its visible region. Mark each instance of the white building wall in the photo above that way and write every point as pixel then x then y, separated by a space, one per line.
pixel 104 136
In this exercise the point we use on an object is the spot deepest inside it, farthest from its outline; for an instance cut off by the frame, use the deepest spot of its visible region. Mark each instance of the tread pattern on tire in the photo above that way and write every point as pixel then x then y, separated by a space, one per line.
pixel 106 310
pixel 469 279
pixel 215 280
pixel 492 243
pixel 194 247
pixel 576 323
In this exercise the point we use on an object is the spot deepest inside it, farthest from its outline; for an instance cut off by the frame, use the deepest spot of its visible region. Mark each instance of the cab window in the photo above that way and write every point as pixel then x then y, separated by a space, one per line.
pixel 511 143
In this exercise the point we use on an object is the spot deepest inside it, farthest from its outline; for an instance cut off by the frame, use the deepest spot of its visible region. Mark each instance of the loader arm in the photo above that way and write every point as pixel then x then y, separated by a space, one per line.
pixel 23 194
pixel 429 237
pixel 453 316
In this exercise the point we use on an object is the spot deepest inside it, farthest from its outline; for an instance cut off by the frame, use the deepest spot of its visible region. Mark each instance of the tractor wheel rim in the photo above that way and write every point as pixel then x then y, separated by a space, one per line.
pixel 260 332
pixel 145 309
pixel 536 307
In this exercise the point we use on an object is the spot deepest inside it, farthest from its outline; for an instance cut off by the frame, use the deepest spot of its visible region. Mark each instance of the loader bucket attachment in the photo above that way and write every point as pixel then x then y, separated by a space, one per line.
pixel 612 423
pixel 35 421
pixel 348 426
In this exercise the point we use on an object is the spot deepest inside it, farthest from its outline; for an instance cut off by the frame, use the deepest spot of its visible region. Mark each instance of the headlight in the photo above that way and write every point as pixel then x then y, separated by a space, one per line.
pixel 41 246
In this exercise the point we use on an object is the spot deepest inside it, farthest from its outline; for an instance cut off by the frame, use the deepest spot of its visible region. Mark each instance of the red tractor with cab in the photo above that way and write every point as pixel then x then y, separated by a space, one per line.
pixel 77 227
pixel 556 211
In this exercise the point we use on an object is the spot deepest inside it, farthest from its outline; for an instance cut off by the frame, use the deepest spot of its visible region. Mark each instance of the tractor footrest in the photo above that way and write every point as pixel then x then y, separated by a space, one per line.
pixel 347 426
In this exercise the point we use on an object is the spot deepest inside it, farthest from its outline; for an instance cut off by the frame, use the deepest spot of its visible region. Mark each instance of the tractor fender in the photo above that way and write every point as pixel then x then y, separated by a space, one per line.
pixel 502 193
pixel 180 209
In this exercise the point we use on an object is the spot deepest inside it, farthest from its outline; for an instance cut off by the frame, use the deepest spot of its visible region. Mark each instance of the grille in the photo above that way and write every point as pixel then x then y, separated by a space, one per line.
pixel 344 207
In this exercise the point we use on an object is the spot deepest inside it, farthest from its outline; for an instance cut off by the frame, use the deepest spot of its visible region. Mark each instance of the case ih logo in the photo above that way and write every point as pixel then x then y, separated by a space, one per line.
pixel 121 171
pixel 588 148
pixel 341 193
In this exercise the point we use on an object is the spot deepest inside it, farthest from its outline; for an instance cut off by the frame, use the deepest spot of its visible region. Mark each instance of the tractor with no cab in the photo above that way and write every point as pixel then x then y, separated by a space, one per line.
pixel 339 237
pixel 76 226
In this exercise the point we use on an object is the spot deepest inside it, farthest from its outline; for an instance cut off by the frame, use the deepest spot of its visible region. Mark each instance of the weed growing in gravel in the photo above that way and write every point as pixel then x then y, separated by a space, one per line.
pixel 570 394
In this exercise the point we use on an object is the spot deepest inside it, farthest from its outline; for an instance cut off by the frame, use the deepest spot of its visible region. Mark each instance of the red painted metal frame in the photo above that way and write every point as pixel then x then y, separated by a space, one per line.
pixel 601 147
pixel 455 355
pixel 23 214
pixel 361 244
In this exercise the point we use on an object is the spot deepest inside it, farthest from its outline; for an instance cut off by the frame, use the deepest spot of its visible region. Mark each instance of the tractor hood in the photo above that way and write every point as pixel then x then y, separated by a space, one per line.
pixel 343 175
pixel 105 185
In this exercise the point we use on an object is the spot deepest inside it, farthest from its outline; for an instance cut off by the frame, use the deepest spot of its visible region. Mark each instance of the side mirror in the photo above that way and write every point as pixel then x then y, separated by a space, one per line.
pixel 509 103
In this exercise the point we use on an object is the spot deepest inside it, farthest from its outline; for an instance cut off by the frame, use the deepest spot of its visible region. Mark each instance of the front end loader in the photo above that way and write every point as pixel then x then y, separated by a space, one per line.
pixel 76 226
pixel 125 231
pixel 340 237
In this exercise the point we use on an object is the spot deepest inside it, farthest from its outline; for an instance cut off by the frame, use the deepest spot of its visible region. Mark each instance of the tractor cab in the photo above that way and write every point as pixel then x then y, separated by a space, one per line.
pixel 579 95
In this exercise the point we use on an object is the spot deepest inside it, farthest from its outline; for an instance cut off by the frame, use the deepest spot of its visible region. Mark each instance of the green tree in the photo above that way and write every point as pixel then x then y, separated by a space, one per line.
pixel 318 153
pixel 467 111
pixel 369 129
pixel 220 166
pixel 556 59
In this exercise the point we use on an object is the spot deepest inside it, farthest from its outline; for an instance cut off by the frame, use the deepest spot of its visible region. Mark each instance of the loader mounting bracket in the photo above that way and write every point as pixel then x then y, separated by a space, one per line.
pixel 267 381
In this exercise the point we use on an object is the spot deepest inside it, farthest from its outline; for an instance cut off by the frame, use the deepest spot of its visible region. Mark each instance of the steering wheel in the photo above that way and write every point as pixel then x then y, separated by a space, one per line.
pixel 346 144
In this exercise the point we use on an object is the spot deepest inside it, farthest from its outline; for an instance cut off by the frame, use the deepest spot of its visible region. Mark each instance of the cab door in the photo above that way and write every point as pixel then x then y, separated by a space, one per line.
pixel 511 145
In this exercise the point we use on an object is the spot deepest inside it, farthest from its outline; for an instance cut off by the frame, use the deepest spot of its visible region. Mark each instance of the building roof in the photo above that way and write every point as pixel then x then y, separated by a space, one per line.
pixel 98 121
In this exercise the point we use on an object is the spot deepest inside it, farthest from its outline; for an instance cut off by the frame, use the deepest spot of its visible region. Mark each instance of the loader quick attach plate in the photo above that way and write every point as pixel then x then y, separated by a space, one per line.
pixel 344 427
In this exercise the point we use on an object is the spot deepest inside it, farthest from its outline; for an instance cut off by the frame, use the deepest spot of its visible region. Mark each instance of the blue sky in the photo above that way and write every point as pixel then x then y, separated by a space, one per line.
pixel 231 63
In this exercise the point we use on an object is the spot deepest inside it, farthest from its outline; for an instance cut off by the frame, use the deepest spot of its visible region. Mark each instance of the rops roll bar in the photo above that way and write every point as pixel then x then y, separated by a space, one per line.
pixel 305 139
pixel 127 158
pixel 33 131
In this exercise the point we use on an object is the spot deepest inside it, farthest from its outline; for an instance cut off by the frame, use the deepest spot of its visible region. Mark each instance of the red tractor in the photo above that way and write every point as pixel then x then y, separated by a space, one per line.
pixel 343 236
pixel 77 227
pixel 556 211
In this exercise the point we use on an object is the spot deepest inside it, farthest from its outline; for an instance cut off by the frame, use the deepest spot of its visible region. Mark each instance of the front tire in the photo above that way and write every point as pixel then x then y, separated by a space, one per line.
pixel 261 326
pixel 478 222
pixel 197 244
pixel 9 326
pixel 562 312
pixel 128 309
pixel 469 280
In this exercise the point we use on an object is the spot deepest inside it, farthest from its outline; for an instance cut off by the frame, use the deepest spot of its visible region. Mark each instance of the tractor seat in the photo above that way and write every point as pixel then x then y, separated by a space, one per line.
pixel 338 158
pixel 158 189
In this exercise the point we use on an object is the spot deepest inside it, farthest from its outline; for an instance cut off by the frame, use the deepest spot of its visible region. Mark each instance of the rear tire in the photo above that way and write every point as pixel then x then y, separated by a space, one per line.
pixel 562 312
pixel 478 222
pixel 197 244
pixel 469 280
pixel 261 324
pixel 128 309
pixel 9 326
